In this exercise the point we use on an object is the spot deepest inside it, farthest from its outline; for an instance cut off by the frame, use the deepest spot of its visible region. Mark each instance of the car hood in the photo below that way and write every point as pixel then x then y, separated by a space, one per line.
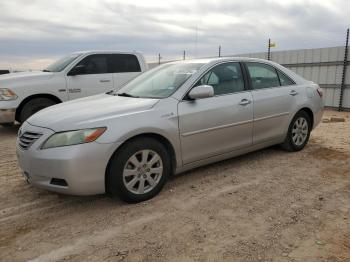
pixel 89 112
pixel 24 77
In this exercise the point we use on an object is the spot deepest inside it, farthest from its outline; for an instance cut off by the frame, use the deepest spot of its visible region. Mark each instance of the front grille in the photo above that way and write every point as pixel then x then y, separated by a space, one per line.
pixel 27 139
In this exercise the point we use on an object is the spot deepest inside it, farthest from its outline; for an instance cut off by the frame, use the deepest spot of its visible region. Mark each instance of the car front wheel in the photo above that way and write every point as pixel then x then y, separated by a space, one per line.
pixel 139 170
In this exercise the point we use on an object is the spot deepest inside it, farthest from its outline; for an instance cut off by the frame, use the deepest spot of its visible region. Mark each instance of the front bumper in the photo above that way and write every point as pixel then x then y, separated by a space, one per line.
pixel 7 115
pixel 82 166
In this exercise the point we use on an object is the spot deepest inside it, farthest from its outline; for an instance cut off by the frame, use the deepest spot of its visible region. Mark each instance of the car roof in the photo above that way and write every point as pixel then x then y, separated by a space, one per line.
pixel 221 59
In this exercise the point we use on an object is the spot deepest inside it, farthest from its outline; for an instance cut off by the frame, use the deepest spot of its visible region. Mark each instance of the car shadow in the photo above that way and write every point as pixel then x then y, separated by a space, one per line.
pixel 9 130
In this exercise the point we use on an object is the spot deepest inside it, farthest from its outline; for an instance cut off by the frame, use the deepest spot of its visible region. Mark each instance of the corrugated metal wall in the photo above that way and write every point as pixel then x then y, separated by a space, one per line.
pixel 322 65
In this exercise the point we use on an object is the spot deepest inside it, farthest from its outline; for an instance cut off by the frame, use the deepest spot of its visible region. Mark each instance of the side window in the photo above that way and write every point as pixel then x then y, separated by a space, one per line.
pixel 285 80
pixel 262 75
pixel 94 64
pixel 225 79
pixel 124 63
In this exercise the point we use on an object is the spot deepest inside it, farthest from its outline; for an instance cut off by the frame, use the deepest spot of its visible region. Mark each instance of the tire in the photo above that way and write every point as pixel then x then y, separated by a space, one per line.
pixel 7 125
pixel 298 132
pixel 33 106
pixel 129 166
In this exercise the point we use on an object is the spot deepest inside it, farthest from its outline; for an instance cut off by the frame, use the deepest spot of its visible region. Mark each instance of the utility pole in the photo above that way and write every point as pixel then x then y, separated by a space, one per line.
pixel 159 57
pixel 342 85
pixel 219 50
pixel 270 44
pixel 196 42
pixel 184 55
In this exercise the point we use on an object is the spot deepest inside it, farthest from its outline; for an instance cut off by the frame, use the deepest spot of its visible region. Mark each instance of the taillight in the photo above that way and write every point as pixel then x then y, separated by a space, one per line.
pixel 320 92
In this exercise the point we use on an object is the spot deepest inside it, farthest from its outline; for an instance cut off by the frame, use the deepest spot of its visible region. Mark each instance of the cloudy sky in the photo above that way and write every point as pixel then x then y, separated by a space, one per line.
pixel 34 33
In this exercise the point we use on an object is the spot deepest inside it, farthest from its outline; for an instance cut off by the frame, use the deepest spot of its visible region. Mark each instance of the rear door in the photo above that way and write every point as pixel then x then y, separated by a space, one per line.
pixel 274 101
pixel 124 68
pixel 95 80
pixel 219 124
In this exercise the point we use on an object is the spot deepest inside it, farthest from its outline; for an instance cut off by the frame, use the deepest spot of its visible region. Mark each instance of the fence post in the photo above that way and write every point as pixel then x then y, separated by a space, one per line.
pixel 184 55
pixel 159 57
pixel 269 49
pixel 342 85
pixel 219 50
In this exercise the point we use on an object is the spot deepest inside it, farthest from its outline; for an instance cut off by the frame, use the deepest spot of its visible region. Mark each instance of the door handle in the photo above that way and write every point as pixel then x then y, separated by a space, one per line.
pixel 74 90
pixel 105 80
pixel 293 92
pixel 245 102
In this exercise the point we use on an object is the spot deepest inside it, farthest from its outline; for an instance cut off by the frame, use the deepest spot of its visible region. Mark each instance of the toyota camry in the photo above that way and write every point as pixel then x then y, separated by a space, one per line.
pixel 172 118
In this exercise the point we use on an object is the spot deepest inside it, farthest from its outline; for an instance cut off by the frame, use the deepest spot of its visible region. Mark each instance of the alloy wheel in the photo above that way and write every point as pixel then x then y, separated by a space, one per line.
pixel 143 171
pixel 300 131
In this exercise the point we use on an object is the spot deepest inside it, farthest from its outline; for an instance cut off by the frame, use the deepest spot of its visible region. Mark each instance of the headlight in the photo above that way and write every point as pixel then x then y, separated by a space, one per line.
pixel 6 94
pixel 73 137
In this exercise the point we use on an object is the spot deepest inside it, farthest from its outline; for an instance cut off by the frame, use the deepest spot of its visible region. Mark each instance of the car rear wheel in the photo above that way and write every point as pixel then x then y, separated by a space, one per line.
pixel 298 132
pixel 33 106
pixel 139 170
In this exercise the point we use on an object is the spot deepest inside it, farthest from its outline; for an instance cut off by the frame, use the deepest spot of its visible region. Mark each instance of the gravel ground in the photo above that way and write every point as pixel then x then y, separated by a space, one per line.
pixel 265 206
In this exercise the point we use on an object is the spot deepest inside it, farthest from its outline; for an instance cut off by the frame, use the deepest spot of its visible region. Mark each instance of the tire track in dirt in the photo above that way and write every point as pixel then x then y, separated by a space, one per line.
pixel 95 239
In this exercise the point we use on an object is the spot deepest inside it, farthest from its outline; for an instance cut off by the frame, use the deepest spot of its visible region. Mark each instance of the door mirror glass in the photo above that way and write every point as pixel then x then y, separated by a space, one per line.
pixel 77 70
pixel 202 91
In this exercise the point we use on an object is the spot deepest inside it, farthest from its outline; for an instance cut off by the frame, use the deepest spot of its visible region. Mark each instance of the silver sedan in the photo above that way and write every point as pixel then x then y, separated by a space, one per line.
pixel 170 119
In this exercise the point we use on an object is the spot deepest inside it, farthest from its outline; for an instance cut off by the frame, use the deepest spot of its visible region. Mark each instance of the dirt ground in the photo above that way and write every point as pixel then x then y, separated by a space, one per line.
pixel 265 206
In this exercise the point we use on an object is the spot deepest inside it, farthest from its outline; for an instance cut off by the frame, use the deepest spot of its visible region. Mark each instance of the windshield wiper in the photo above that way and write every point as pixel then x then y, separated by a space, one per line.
pixel 45 70
pixel 126 95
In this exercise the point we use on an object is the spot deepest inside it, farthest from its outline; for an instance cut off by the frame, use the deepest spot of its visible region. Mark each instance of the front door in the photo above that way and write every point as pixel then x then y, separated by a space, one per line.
pixel 218 124
pixel 94 80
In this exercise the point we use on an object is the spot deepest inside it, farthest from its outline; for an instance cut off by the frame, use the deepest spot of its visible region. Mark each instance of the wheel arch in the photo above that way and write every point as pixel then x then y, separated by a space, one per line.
pixel 162 139
pixel 27 99
pixel 310 114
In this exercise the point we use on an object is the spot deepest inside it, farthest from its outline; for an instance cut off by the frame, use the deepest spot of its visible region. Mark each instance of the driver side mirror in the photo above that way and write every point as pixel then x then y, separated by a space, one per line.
pixel 77 70
pixel 202 91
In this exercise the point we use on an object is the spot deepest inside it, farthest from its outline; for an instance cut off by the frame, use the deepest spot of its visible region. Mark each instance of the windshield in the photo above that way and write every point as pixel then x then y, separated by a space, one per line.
pixel 161 81
pixel 61 64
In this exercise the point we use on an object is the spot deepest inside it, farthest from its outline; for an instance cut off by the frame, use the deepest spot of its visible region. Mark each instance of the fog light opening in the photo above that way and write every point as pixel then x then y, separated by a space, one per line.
pixel 58 182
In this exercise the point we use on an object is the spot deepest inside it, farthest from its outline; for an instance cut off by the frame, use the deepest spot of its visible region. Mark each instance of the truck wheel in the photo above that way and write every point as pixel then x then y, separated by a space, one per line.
pixel 139 170
pixel 7 124
pixel 33 106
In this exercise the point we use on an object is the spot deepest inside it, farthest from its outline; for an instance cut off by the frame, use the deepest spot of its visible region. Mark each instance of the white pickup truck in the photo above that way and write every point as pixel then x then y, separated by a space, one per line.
pixel 75 76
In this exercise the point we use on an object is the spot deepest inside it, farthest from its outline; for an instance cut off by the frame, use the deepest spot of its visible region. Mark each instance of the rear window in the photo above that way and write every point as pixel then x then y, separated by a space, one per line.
pixel 124 63
pixel 262 75
pixel 285 80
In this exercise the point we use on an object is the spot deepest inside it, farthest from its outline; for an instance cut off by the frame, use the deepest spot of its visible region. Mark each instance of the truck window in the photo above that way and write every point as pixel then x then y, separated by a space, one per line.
pixel 124 63
pixel 2 72
pixel 95 64
pixel 62 63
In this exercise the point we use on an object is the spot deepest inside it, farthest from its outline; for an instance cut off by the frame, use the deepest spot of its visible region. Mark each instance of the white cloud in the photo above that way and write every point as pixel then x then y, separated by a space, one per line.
pixel 39 31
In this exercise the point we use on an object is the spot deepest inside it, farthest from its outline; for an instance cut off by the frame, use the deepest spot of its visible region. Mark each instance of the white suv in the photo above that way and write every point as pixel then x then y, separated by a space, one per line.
pixel 75 76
